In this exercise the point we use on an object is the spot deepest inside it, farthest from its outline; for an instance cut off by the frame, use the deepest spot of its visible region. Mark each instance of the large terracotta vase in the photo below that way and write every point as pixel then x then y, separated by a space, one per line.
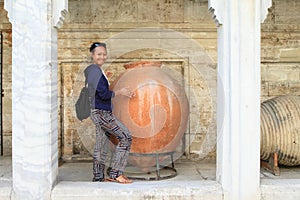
pixel 158 113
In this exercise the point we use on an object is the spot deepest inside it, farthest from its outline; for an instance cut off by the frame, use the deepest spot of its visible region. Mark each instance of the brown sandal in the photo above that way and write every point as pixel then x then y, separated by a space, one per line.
pixel 120 179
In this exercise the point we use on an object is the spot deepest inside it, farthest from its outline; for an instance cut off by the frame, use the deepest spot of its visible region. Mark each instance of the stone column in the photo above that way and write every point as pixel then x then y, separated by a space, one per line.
pixel 238 109
pixel 34 95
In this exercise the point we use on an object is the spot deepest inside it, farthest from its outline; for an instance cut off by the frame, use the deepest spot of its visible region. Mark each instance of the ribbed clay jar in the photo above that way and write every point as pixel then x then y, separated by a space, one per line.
pixel 158 113
pixel 280 129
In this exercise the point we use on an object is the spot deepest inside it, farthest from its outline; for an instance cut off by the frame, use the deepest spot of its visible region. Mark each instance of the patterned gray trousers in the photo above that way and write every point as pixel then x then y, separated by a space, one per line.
pixel 106 126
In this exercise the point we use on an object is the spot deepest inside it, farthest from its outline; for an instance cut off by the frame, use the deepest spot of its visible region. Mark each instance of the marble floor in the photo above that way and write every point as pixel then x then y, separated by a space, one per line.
pixel 186 170
pixel 197 174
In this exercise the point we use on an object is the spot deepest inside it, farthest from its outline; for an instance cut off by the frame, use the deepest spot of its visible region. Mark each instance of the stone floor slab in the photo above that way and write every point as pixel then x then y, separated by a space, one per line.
pixel 195 180
pixel 280 189
pixel 154 190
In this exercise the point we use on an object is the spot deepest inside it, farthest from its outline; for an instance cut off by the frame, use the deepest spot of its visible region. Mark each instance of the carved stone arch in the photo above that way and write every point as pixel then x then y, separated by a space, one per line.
pixel 216 12
pixel 8 4
pixel 216 7
pixel 59 11
pixel 265 5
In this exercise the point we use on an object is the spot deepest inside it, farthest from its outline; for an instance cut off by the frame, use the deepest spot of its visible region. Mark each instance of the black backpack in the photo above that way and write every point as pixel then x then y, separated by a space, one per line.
pixel 82 105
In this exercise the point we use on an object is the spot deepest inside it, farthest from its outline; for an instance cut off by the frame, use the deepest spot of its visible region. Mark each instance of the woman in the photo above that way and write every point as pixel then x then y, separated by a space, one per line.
pixel 106 123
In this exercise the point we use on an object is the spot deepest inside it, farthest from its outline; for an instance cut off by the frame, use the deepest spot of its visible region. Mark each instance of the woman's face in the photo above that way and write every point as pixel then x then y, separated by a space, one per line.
pixel 99 55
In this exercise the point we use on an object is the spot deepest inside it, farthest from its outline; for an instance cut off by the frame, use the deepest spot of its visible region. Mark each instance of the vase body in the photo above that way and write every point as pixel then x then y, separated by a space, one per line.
pixel 280 129
pixel 158 113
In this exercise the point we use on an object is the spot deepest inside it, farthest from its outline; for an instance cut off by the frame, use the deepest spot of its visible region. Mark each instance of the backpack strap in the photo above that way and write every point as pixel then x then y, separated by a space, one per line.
pixel 85 82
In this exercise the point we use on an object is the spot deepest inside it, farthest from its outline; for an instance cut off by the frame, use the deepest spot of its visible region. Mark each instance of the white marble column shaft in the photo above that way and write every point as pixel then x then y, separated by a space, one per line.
pixel 34 98
pixel 238 112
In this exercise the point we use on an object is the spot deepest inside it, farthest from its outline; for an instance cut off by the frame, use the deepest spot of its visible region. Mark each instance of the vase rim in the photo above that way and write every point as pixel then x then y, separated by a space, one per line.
pixel 140 64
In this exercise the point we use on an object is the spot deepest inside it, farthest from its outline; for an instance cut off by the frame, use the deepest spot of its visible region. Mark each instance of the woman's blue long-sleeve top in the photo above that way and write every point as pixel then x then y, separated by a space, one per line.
pixel 98 86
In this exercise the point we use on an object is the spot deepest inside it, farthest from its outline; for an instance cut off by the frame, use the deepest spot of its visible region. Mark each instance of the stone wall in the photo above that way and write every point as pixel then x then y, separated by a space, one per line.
pixel 280 50
pixel 179 33
pixel 5 30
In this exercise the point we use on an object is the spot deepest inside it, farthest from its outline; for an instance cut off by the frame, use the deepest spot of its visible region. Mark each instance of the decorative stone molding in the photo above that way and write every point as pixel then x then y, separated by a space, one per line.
pixel 215 7
pixel 264 8
pixel 8 7
pixel 59 11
